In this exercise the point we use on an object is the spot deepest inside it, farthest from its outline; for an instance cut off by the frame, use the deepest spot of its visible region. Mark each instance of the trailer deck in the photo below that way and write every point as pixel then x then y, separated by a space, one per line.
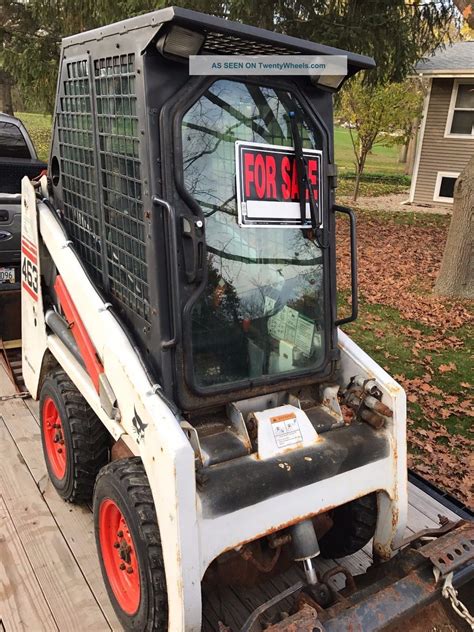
pixel 49 571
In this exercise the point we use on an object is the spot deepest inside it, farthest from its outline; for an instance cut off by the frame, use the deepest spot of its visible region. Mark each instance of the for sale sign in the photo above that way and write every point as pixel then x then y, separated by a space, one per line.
pixel 268 186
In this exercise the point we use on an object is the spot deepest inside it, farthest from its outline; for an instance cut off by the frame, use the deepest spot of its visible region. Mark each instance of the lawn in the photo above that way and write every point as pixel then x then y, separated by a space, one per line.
pixel 39 127
pixel 383 174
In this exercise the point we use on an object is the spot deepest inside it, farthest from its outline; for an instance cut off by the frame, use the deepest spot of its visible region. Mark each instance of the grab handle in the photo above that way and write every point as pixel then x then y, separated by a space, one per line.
pixel 354 283
pixel 173 268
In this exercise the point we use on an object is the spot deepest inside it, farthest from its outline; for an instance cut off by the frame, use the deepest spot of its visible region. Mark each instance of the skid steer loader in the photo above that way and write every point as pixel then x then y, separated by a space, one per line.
pixel 180 330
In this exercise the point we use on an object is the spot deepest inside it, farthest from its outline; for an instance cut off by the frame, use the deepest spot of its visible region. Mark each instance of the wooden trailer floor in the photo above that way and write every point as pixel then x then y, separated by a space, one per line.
pixel 49 573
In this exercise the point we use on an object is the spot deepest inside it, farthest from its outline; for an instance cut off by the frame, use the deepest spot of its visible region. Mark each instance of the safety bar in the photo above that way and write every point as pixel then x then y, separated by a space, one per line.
pixel 173 267
pixel 354 284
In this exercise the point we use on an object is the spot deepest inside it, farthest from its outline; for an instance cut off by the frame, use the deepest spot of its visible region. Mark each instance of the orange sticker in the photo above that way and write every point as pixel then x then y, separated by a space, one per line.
pixel 285 417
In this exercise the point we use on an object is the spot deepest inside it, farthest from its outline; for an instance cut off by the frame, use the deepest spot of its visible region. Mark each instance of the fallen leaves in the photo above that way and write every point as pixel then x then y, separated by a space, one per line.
pixel 445 459
pixel 398 265
pixel 444 368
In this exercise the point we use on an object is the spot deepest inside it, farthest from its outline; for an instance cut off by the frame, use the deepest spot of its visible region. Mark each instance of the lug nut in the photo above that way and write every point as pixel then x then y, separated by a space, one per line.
pixel 129 570
pixel 55 439
pixel 120 534
pixel 116 545
pixel 122 566
pixel 60 450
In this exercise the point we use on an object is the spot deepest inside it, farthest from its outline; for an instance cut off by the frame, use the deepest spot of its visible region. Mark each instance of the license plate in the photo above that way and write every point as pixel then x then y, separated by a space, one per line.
pixel 7 275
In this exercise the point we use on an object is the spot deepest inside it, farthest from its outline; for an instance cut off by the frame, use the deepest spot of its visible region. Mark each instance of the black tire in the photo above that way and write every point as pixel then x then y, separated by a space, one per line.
pixel 124 482
pixel 84 439
pixel 354 526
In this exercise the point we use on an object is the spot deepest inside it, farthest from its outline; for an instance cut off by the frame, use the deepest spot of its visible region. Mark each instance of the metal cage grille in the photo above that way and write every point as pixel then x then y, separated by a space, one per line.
pixel 76 140
pixel 223 44
pixel 117 126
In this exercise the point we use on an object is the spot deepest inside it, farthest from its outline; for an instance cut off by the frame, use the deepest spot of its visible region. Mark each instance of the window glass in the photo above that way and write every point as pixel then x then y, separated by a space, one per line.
pixel 465 96
pixel 463 122
pixel 12 142
pixel 262 310
pixel 463 115
pixel 446 188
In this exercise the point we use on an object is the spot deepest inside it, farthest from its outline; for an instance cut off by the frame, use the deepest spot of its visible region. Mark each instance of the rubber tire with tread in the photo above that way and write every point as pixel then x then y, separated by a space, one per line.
pixel 125 482
pixel 86 439
pixel 354 526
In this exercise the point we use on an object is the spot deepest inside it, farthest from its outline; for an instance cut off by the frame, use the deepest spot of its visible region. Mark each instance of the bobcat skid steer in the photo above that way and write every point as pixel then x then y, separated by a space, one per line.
pixel 180 328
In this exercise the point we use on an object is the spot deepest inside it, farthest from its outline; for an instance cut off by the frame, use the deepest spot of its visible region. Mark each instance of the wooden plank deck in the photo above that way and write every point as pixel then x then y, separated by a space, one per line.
pixel 49 573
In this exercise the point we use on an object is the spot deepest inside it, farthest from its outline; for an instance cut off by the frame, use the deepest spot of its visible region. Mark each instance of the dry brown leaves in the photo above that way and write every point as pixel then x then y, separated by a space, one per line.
pixel 445 459
pixel 398 265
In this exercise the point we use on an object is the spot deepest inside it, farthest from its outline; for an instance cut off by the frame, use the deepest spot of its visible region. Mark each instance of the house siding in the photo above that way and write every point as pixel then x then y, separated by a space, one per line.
pixel 437 152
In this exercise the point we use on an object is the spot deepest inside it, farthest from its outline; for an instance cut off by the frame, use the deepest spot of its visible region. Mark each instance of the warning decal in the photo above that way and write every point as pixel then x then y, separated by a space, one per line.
pixel 286 430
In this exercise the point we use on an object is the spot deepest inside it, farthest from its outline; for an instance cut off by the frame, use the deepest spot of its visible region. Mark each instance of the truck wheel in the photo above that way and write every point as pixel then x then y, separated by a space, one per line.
pixel 354 526
pixel 129 546
pixel 75 441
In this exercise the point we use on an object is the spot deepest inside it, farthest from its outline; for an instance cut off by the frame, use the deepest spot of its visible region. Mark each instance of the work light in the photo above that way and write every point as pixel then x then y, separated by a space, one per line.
pixel 328 81
pixel 180 42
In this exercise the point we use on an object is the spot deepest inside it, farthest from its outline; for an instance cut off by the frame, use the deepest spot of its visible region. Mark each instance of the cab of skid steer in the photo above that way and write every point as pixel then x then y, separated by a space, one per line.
pixel 181 195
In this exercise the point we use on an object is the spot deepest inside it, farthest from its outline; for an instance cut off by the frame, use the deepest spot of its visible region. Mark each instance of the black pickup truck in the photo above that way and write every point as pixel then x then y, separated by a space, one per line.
pixel 17 159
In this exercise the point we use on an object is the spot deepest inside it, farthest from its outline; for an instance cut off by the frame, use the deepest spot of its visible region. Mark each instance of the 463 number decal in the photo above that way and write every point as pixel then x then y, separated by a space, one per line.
pixel 29 274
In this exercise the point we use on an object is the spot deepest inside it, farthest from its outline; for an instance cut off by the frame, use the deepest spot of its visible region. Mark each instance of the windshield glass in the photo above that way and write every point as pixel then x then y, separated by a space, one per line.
pixel 262 310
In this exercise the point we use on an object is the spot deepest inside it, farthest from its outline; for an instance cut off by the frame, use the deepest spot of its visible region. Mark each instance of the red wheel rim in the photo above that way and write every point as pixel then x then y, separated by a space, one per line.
pixel 54 438
pixel 119 556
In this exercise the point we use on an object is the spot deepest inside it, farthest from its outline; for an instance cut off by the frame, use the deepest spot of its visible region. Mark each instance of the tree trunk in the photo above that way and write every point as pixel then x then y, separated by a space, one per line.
pixel 410 159
pixel 6 104
pixel 456 276
pixel 357 184
pixel 403 152
pixel 360 164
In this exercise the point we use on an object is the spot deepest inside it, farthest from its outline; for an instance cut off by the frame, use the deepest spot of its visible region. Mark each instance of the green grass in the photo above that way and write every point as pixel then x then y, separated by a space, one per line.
pixel 392 349
pixel 39 128
pixel 383 174
pixel 382 160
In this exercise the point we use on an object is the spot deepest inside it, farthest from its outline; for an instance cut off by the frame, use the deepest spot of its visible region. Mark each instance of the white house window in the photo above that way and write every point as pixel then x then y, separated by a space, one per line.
pixel 461 110
pixel 444 187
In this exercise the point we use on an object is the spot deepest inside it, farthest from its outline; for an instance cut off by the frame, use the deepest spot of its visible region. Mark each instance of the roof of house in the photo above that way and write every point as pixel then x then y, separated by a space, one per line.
pixel 455 59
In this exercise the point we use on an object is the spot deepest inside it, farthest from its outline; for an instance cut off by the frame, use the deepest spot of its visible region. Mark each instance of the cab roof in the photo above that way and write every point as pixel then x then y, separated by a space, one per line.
pixel 222 37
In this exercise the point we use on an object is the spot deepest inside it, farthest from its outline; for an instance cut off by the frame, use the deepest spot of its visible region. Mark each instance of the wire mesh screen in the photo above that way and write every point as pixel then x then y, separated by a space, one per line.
pixel 117 124
pixel 224 44
pixel 75 134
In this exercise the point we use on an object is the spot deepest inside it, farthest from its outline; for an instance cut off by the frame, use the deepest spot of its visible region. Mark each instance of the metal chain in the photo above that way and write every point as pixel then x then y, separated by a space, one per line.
pixel 5 398
pixel 449 592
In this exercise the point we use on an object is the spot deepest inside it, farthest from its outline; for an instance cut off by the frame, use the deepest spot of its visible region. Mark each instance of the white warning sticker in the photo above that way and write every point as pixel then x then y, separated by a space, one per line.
pixel 286 430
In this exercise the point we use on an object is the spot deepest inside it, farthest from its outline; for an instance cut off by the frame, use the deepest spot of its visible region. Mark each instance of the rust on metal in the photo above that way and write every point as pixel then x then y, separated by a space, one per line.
pixel 373 419
pixel 120 450
pixel 276 540
pixel 305 620
pixel 340 570
pixel 453 550
pixel 257 558
pixel 378 406
pixel 446 527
